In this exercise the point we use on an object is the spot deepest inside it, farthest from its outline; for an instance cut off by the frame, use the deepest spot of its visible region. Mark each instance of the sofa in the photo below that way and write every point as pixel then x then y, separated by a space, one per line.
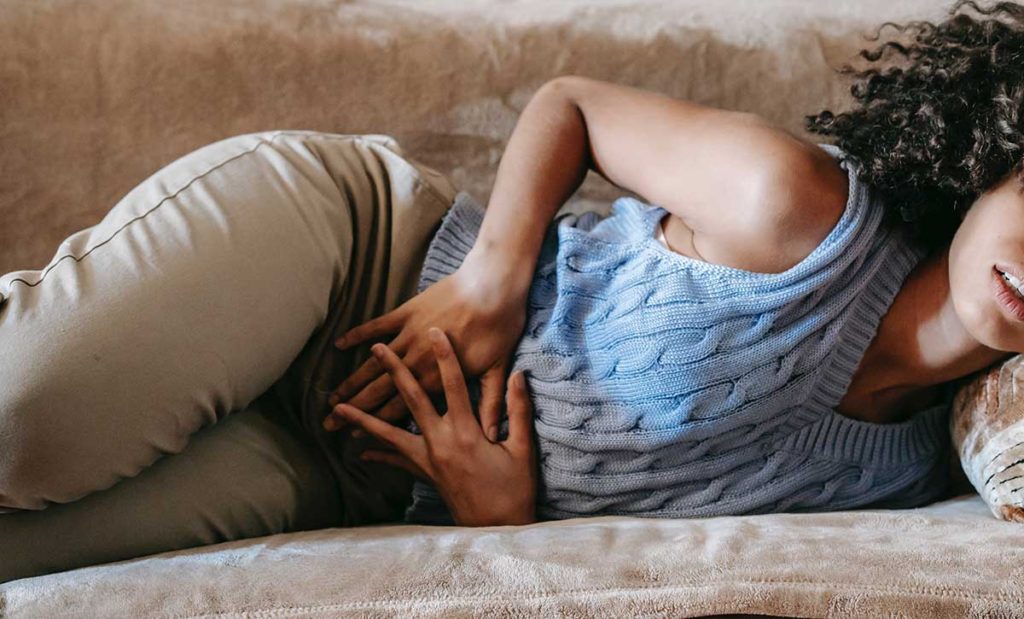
pixel 96 95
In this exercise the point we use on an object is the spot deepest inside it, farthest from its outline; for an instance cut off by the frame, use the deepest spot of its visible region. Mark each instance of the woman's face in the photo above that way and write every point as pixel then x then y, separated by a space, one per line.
pixel 988 243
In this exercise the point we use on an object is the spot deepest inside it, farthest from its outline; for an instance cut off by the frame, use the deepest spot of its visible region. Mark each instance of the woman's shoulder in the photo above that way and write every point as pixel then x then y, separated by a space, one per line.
pixel 834 219
pixel 798 202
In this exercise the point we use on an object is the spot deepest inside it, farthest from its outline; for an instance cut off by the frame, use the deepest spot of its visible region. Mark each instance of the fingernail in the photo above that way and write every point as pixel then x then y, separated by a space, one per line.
pixel 492 433
pixel 340 342
pixel 377 349
pixel 434 333
pixel 331 424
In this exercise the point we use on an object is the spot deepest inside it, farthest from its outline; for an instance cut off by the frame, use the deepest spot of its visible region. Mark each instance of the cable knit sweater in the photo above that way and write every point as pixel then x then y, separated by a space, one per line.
pixel 666 386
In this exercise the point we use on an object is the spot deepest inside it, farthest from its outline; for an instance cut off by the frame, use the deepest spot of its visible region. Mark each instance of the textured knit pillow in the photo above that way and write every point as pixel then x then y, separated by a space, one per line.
pixel 988 430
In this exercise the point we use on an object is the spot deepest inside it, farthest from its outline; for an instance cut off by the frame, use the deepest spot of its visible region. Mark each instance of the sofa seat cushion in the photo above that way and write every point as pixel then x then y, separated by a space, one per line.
pixel 948 559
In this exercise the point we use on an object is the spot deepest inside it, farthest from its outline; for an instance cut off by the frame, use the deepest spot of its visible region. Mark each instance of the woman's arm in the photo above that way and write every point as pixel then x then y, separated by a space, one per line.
pixel 544 162
pixel 735 180
pixel 482 305
pixel 754 196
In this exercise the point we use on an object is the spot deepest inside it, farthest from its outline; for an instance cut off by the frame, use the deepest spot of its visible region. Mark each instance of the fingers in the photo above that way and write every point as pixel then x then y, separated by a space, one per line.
pixel 377 327
pixel 492 391
pixel 415 398
pixel 372 396
pixel 455 392
pixel 409 444
pixel 368 399
pixel 381 396
pixel 520 412
pixel 394 410
pixel 369 371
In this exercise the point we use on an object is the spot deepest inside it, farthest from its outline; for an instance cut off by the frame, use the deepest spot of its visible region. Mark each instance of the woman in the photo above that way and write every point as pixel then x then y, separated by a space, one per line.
pixel 785 348
pixel 798 357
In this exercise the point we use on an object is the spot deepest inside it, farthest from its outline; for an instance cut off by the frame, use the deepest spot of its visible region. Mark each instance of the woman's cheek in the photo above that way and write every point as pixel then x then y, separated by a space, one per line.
pixel 983 240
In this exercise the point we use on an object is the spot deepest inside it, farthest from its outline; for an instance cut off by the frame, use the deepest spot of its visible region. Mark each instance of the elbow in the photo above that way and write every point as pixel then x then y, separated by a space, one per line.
pixel 564 85
pixel 570 87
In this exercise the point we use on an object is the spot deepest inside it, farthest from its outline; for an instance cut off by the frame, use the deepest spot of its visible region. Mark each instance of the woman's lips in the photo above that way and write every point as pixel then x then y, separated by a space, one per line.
pixel 1008 299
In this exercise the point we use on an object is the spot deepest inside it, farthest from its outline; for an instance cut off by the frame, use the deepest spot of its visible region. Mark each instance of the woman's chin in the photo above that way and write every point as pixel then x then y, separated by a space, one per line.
pixel 997 334
pixel 991 326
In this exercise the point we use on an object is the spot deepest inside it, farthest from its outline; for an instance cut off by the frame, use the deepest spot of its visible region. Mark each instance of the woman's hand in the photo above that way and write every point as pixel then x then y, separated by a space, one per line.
pixel 482 482
pixel 482 305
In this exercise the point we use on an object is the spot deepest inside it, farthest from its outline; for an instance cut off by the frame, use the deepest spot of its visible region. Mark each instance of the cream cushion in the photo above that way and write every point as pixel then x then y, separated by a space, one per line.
pixel 988 432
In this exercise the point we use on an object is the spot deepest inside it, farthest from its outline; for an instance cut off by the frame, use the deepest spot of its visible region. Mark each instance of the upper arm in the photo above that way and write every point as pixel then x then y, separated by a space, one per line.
pixel 741 184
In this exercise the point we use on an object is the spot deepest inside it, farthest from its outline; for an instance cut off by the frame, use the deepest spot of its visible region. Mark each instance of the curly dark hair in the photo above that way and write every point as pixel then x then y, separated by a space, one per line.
pixel 935 134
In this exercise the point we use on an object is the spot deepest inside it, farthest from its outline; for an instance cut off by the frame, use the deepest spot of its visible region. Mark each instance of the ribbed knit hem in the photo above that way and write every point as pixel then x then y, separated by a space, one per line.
pixel 835 436
pixel 453 240
pixel 874 445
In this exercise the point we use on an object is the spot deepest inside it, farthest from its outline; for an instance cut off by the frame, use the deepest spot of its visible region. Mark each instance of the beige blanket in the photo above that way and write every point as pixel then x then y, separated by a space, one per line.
pixel 951 559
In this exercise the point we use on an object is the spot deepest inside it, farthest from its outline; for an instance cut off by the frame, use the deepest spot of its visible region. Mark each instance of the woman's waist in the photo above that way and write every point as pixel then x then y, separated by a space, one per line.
pixel 597 432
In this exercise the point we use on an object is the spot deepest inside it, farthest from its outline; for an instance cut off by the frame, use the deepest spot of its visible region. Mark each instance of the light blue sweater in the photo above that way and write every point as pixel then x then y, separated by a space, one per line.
pixel 666 386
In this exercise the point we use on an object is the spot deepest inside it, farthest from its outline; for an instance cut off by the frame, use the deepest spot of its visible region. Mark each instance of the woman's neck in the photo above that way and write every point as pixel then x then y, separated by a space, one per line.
pixel 921 341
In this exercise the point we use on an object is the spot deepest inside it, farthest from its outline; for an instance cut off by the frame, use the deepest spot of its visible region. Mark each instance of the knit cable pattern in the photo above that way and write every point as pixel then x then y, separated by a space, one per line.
pixel 666 386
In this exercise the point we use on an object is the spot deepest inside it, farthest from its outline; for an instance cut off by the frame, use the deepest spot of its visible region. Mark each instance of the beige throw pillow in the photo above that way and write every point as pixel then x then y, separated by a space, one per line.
pixel 988 431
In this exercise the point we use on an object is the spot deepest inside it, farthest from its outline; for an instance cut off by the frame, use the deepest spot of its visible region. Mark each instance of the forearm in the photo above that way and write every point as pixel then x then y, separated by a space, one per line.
pixel 544 162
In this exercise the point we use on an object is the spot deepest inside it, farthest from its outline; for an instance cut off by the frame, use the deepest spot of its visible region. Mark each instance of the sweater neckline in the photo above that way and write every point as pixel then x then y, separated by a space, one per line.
pixel 866 442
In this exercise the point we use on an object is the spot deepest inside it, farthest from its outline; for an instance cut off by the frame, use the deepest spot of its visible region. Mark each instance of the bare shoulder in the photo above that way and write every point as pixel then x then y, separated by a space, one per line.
pixel 752 194
pixel 796 193
pixel 802 194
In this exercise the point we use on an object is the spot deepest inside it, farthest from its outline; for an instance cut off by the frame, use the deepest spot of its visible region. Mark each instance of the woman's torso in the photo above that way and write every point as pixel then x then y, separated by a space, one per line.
pixel 867 398
pixel 668 386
